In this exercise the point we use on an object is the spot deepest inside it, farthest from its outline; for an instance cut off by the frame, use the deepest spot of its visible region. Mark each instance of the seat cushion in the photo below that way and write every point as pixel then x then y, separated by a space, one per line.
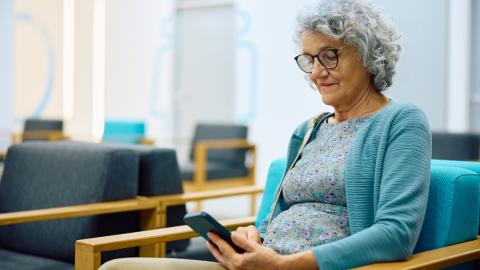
pixel 215 170
pixel 41 175
pixel 11 260
pixel 452 212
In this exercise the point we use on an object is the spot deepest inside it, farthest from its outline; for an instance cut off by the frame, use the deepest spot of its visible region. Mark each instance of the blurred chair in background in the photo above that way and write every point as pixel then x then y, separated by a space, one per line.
pixel 41 130
pixel 218 159
pixel 125 132
pixel 455 146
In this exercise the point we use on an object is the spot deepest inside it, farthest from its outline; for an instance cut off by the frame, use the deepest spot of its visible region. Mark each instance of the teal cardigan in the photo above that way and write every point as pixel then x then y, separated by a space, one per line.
pixel 387 176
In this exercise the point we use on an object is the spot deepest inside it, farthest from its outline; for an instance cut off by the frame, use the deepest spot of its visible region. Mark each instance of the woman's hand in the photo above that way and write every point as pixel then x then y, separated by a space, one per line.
pixel 256 256
pixel 248 233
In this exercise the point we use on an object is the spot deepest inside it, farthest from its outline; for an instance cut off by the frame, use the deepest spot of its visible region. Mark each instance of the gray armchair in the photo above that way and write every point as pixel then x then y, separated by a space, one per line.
pixel 218 159
pixel 40 175
pixel 455 146
pixel 41 130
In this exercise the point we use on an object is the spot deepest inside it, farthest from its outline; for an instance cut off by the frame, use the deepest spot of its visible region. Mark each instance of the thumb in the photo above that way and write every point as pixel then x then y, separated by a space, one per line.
pixel 244 243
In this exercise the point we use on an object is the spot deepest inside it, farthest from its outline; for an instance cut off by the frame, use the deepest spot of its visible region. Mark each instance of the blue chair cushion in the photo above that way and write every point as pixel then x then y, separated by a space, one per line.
pixel 123 131
pixel 11 260
pixel 452 212
pixel 41 175
pixel 274 176
pixel 469 165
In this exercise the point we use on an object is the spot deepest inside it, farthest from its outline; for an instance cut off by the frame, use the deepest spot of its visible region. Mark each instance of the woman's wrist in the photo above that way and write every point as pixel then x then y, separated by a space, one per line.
pixel 303 260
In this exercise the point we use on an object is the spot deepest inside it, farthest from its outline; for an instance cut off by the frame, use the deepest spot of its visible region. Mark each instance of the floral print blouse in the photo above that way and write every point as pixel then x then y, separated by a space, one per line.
pixel 314 190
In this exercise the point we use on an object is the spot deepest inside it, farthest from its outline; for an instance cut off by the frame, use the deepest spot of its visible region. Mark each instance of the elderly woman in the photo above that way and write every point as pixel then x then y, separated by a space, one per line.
pixel 356 187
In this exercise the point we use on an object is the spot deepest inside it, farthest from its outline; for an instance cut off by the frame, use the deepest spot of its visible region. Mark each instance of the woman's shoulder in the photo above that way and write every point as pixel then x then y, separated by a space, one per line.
pixel 397 111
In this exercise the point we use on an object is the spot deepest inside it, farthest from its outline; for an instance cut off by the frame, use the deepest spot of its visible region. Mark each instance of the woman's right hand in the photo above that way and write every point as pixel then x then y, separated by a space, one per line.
pixel 249 233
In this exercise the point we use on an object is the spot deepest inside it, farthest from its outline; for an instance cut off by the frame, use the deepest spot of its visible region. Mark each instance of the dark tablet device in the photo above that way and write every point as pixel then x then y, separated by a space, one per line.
pixel 203 223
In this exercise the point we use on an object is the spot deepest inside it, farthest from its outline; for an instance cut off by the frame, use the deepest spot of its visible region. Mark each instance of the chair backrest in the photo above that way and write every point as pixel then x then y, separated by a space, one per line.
pixel 159 174
pixel 123 131
pixel 39 129
pixel 455 146
pixel 221 132
pixel 44 174
pixel 453 204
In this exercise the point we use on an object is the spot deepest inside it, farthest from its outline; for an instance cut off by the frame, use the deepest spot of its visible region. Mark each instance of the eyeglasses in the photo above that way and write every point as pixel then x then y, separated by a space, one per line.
pixel 327 57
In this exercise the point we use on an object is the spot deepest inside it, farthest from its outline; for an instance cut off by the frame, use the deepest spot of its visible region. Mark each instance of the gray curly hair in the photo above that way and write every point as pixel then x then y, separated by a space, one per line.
pixel 361 24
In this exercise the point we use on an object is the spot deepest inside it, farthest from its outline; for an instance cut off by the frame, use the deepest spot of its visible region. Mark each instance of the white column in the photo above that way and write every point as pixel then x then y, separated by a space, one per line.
pixel 459 53
pixel 86 122
pixel 7 49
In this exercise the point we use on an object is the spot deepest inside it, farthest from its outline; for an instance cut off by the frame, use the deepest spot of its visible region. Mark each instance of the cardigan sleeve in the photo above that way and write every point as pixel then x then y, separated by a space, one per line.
pixel 401 202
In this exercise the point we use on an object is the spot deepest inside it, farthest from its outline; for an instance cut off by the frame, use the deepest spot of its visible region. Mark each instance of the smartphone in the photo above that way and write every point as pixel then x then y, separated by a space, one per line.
pixel 203 223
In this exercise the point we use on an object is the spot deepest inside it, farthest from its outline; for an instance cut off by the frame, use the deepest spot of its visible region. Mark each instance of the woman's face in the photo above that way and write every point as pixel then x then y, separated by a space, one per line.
pixel 343 86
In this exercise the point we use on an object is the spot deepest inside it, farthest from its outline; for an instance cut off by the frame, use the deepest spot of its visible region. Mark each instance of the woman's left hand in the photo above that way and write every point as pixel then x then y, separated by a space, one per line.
pixel 256 256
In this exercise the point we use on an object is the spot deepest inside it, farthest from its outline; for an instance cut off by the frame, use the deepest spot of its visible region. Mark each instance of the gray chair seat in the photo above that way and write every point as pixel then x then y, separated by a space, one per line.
pixel 14 260
pixel 215 170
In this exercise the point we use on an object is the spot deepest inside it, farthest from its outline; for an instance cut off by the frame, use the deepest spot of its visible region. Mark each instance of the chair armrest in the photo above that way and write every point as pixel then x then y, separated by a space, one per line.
pixel 219 144
pixel 147 141
pixel 2 155
pixel 171 200
pixel 434 259
pixel 88 251
pixel 201 151
pixel 137 204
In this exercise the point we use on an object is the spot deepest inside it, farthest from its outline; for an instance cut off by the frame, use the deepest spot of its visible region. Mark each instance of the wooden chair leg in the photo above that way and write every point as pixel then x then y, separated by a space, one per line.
pixel 253 204
pixel 198 206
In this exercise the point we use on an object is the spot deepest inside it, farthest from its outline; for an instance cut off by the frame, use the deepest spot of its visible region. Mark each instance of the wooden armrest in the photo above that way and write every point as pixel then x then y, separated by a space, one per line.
pixel 139 203
pixel 147 141
pixel 136 239
pixel 77 211
pixel 2 155
pixel 217 144
pixel 434 259
pixel 170 200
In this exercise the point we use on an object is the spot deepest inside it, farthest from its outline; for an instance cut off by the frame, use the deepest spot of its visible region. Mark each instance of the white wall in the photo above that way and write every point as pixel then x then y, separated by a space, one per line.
pixel 7 50
pixel 38 51
pixel 139 50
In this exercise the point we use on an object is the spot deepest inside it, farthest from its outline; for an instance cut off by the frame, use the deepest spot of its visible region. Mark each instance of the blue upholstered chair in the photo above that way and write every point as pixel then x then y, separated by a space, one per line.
pixel 448 236
pixel 125 132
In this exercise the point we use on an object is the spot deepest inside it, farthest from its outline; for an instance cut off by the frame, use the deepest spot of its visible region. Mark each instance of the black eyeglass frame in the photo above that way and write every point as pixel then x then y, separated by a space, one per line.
pixel 334 50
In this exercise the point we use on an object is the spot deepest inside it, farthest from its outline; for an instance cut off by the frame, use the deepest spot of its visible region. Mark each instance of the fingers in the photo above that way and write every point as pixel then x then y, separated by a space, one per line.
pixel 250 233
pixel 242 242
pixel 253 234
pixel 216 253
pixel 222 246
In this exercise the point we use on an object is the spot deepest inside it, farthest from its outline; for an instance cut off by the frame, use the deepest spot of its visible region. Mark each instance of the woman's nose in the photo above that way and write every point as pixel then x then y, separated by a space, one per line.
pixel 318 69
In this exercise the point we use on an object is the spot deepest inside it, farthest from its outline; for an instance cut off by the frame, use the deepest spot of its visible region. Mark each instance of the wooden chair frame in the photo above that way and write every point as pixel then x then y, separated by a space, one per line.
pixel 44 134
pixel 88 251
pixel 153 215
pixel 200 181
